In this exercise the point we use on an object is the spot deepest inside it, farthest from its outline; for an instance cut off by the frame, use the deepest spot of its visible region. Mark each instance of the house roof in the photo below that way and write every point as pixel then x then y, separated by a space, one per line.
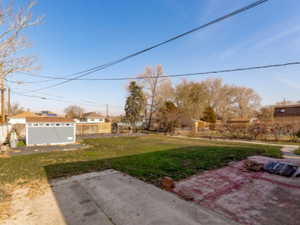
pixel 24 115
pixel 48 120
pixel 92 115
pixel 288 106
pixel 287 110
pixel 47 113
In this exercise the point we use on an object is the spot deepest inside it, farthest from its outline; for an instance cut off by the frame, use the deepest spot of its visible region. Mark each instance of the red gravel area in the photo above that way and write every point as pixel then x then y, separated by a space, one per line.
pixel 250 198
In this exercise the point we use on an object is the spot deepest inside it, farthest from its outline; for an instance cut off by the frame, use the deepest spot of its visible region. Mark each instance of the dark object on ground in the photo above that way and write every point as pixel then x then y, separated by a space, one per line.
pixel 43 149
pixel 251 165
pixel 167 183
pixel 281 168
pixel 96 136
pixel 297 173
pixel 270 167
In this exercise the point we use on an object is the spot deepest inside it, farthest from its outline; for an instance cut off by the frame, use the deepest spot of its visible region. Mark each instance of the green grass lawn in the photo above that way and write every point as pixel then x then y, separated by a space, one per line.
pixel 148 158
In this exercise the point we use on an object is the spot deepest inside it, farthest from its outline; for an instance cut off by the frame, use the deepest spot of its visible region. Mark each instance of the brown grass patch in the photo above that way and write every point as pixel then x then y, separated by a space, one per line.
pixel 33 189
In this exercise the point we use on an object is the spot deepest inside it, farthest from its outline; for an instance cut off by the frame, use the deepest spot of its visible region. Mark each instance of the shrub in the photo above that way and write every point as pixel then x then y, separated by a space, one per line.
pixel 21 143
pixel 298 133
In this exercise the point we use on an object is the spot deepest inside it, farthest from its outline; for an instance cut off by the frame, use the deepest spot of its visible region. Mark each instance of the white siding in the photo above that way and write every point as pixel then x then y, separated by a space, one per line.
pixel 17 121
pixel 95 120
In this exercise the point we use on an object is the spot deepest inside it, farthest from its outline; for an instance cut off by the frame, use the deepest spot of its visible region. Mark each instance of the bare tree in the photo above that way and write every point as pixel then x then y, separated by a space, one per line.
pixel 16 109
pixel 266 113
pixel 285 102
pixel 152 83
pixel 228 101
pixel 74 111
pixel 12 40
pixel 246 102
pixel 191 98
pixel 219 97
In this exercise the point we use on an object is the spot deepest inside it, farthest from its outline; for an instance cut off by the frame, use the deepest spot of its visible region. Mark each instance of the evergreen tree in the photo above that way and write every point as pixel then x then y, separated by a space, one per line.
pixel 209 115
pixel 135 104
pixel 169 114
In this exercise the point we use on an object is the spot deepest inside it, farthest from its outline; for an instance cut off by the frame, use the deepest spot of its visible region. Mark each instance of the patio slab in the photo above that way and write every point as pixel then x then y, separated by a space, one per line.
pixel 249 198
pixel 109 198
pixel 123 199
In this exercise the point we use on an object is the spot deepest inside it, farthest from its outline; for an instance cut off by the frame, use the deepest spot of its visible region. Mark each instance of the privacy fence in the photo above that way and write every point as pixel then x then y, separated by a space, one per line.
pixel 93 128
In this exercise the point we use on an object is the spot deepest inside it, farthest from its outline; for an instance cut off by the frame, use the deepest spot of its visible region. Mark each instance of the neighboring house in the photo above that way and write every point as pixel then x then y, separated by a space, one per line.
pixel 92 117
pixel 21 118
pixel 92 123
pixel 50 131
pixel 47 114
pixel 287 114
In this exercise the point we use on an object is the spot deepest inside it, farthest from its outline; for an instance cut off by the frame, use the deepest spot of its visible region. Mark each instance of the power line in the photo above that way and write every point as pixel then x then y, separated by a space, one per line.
pixel 28 82
pixel 163 76
pixel 240 69
pixel 60 99
pixel 52 99
pixel 106 65
pixel 53 77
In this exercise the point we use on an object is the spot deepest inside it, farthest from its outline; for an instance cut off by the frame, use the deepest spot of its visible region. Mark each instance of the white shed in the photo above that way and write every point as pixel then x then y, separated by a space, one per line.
pixel 50 131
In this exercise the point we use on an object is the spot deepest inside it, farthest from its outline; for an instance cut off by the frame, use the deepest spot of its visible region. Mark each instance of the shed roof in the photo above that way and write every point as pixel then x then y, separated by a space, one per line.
pixel 48 120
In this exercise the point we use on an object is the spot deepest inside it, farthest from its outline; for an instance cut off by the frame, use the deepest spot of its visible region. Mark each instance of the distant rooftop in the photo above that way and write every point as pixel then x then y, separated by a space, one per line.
pixel 92 115
pixel 288 106
pixel 24 115
pixel 47 113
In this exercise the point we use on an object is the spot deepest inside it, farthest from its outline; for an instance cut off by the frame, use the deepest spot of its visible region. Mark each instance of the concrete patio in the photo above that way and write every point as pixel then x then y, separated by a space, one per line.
pixel 111 198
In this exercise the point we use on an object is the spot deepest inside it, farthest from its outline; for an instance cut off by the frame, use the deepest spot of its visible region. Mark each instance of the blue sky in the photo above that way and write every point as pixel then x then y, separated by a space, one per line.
pixel 78 34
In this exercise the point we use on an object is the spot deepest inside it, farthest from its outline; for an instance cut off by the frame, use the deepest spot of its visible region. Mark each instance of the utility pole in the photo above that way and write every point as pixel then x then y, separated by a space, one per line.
pixel 2 100
pixel 8 102
pixel 107 111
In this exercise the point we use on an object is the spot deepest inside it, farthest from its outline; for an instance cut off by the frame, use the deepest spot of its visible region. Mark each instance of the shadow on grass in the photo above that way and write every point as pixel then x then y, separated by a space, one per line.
pixel 176 163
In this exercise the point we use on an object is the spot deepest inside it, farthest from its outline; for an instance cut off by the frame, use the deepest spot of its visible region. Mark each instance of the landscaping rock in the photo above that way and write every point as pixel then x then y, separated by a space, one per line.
pixel 250 165
pixel 167 183
pixel 4 148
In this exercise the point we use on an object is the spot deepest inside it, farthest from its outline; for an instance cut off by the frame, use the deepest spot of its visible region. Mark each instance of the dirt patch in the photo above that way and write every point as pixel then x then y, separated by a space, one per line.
pixel 29 205
pixel 15 197
pixel 5 200
pixel 4 155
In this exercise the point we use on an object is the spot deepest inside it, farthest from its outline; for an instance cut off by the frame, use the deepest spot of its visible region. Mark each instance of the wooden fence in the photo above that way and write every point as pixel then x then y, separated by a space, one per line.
pixel 93 128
